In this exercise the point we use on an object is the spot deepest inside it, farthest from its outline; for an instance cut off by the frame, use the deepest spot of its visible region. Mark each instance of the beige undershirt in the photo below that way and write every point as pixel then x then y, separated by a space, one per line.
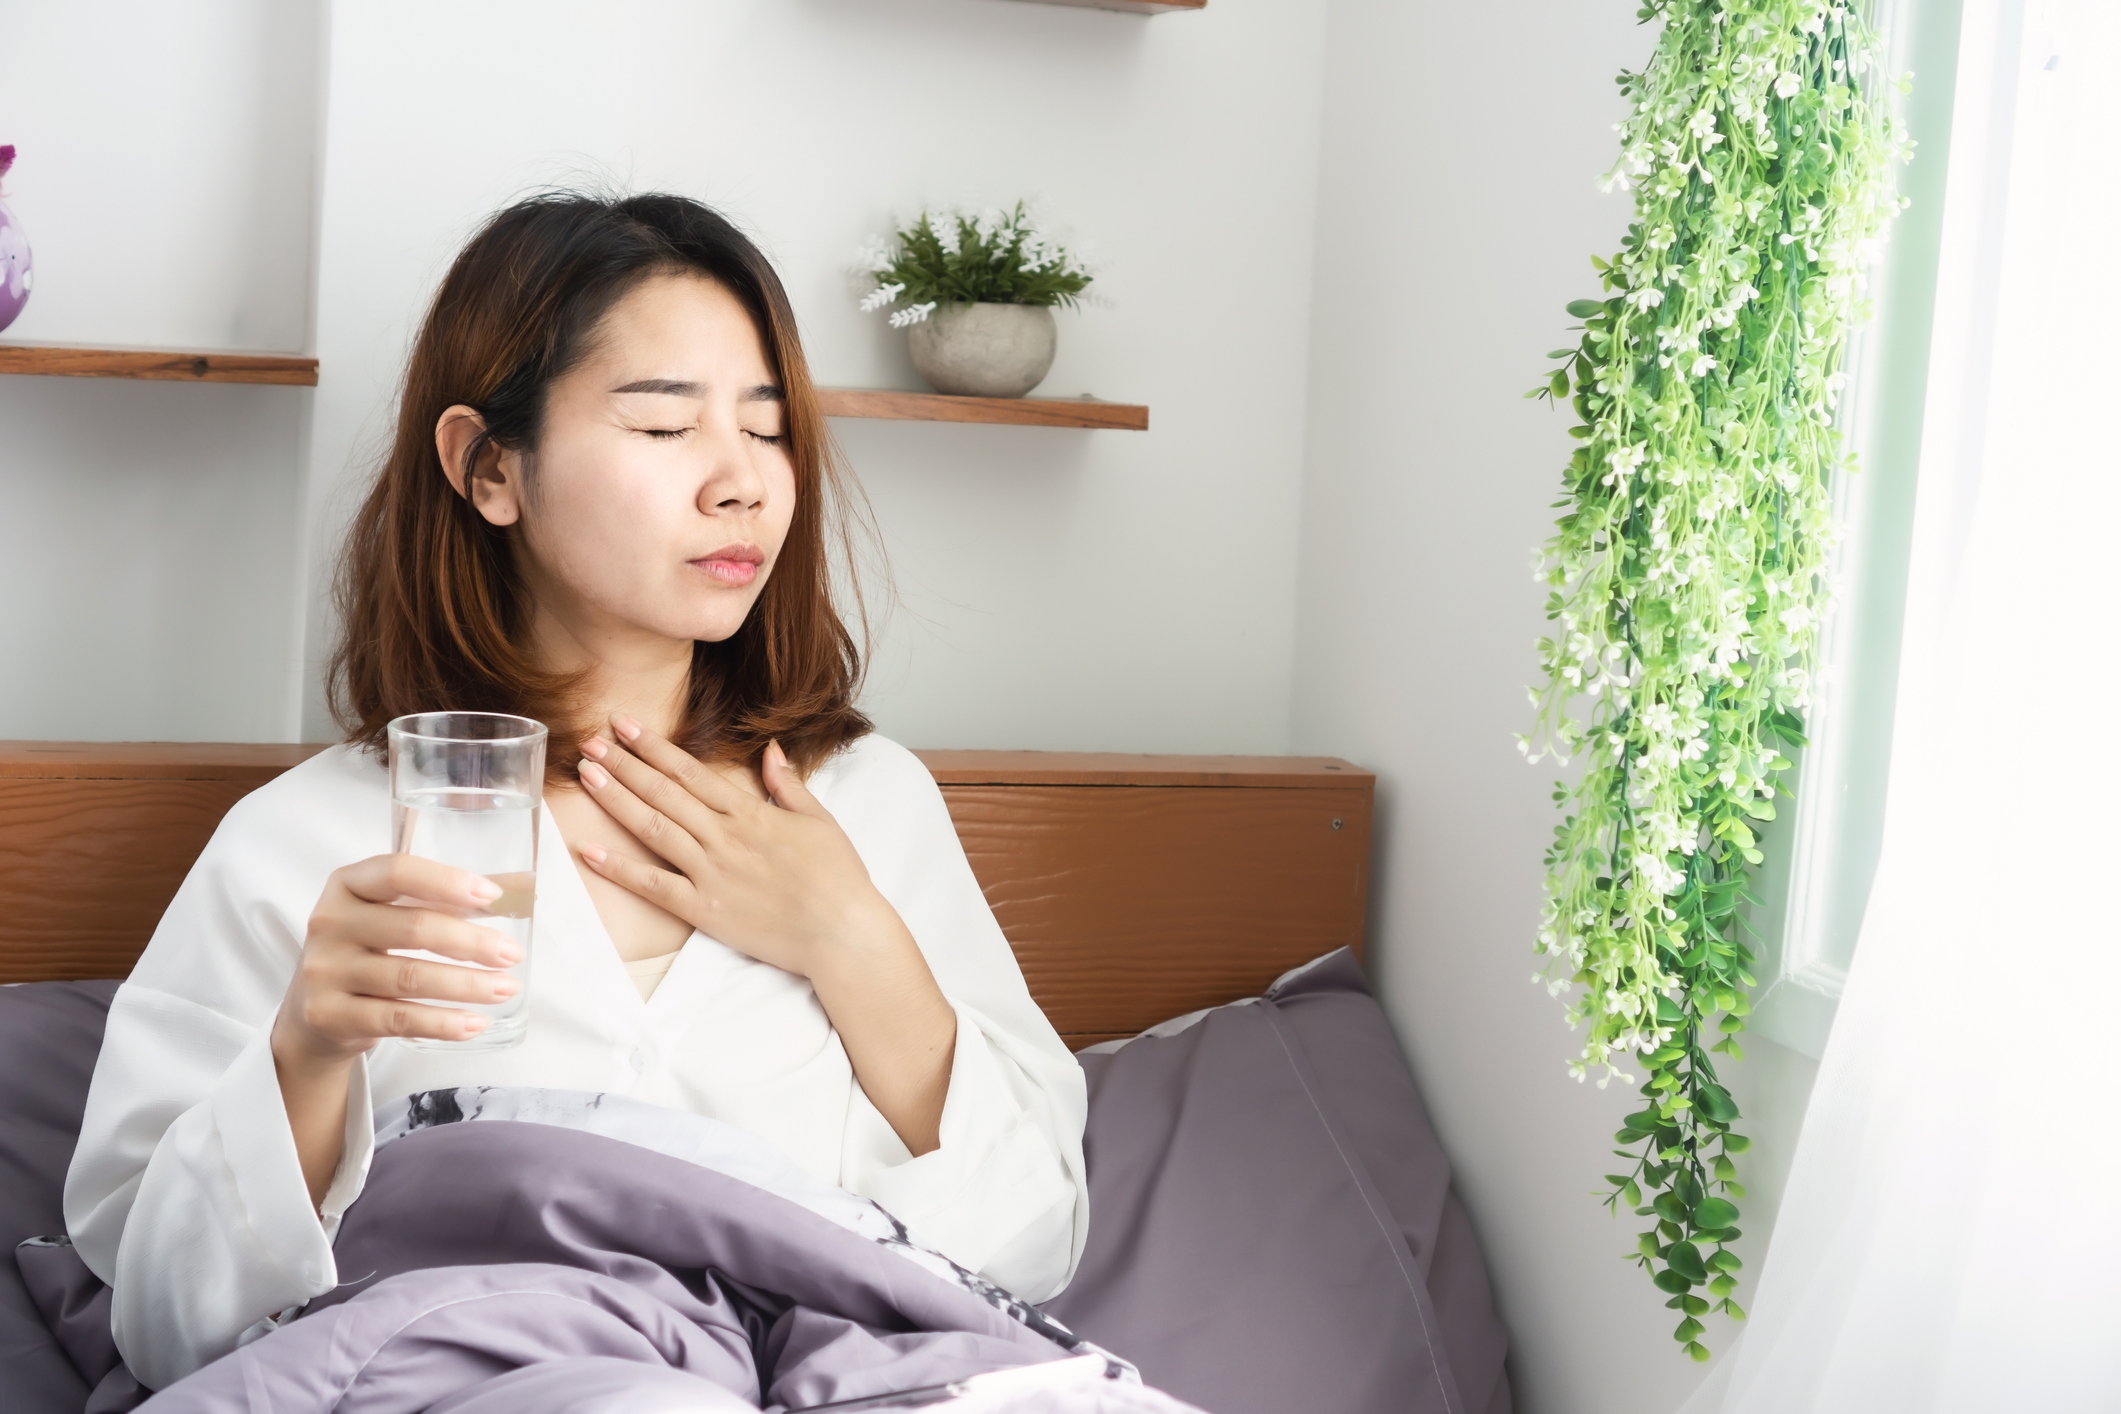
pixel 647 972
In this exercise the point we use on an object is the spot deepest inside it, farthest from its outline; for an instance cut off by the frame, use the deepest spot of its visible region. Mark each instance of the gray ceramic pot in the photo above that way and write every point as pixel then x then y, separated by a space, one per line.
pixel 984 350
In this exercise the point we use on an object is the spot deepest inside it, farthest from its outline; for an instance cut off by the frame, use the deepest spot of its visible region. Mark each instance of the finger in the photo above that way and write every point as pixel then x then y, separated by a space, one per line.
pixel 704 784
pixel 387 877
pixel 656 790
pixel 783 784
pixel 388 930
pixel 673 893
pixel 393 978
pixel 668 839
pixel 367 1018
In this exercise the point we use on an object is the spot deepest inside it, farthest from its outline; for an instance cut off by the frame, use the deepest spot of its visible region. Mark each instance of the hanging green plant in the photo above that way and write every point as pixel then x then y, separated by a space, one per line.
pixel 1688 573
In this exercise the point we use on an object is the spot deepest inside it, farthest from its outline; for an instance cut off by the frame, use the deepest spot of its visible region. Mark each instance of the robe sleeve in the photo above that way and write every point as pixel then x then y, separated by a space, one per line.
pixel 1006 1193
pixel 185 1193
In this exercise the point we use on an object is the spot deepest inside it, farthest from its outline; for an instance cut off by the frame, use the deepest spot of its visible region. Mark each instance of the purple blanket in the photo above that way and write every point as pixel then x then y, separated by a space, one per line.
pixel 579 1252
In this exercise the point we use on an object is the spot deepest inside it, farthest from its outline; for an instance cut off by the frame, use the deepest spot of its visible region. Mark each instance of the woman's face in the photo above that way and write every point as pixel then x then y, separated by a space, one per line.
pixel 661 490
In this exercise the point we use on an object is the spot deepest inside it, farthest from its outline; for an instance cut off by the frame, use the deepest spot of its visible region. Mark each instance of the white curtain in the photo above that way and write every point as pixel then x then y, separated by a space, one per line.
pixel 1950 1238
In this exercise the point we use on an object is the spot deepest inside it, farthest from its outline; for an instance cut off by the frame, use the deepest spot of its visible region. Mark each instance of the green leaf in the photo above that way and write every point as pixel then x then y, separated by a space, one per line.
pixel 1715 1213
pixel 1694 1305
pixel 1717 1104
pixel 1631 1194
pixel 1722 1284
pixel 1685 1259
pixel 1697 1350
pixel 1726 1262
pixel 1669 1207
pixel 1586 308
pixel 1669 1280
pixel 1558 385
pixel 1561 353
pixel 1736 1143
pixel 1688 1329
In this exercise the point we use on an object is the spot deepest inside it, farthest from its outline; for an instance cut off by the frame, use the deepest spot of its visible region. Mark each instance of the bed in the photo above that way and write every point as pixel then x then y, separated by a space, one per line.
pixel 1192 926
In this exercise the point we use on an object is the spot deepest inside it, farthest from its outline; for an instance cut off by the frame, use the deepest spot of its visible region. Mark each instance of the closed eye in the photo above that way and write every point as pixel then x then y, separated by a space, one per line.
pixel 778 439
pixel 664 434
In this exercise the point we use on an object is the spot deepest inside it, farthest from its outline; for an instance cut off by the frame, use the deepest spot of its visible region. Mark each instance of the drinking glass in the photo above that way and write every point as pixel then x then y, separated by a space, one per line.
pixel 464 790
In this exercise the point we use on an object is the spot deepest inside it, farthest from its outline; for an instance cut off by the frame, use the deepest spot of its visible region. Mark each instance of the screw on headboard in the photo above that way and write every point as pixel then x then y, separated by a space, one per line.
pixel 1336 822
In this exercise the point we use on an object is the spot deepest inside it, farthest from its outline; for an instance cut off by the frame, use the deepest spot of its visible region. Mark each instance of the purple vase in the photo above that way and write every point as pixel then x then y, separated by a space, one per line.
pixel 17 276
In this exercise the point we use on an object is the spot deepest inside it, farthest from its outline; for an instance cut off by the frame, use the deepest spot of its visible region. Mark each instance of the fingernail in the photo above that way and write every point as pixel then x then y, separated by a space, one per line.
pixel 594 748
pixel 593 853
pixel 504 986
pixel 509 954
pixel 473 1025
pixel 626 727
pixel 486 891
pixel 595 776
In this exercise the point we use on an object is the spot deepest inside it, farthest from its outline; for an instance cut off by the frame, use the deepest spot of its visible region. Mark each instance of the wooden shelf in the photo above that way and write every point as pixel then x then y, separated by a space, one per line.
pixel 172 365
pixel 1018 412
pixel 1132 7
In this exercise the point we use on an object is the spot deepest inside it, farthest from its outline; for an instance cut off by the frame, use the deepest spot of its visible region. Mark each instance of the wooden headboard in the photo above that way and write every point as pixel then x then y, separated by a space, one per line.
pixel 1133 888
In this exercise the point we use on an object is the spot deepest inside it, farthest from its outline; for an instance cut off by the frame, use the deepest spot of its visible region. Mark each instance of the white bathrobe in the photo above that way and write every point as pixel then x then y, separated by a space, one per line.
pixel 186 1195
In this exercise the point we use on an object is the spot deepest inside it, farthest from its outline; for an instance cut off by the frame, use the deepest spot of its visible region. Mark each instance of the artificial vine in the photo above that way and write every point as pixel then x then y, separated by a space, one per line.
pixel 1688 572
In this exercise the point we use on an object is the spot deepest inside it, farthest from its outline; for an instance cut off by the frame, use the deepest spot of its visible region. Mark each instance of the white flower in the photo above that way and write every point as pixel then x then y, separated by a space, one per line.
pixel 1701 366
pixel 881 296
pixel 1623 463
pixel 1786 85
pixel 912 314
pixel 1648 297
pixel 874 255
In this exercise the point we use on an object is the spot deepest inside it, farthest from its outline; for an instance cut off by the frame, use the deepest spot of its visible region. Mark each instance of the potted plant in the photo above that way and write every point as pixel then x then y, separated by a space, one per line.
pixel 976 292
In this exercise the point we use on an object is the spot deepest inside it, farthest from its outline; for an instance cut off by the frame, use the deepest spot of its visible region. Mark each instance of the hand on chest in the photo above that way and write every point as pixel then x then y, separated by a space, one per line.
pixel 638 928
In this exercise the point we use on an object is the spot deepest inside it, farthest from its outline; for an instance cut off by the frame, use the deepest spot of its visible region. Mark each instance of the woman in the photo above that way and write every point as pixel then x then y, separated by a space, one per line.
pixel 605 508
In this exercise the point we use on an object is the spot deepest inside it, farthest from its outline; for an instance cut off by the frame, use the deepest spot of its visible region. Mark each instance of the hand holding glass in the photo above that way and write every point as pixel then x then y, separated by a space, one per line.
pixel 464 791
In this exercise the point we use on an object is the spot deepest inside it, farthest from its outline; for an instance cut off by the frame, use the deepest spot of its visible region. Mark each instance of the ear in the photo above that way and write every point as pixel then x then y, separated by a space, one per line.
pixel 494 486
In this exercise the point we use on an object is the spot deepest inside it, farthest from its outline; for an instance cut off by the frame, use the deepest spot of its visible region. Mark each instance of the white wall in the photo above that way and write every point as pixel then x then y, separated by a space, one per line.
pixel 1061 589
pixel 1457 211
pixel 150 532
pixel 148 560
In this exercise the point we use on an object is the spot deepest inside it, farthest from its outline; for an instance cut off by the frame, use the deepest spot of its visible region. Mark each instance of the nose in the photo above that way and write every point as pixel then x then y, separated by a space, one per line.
pixel 731 484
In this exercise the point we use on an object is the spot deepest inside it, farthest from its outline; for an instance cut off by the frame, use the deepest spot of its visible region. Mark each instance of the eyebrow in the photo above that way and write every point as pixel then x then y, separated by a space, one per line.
pixel 679 388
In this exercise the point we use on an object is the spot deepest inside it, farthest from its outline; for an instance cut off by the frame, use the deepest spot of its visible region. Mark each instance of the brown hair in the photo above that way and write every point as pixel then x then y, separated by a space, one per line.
pixel 431 607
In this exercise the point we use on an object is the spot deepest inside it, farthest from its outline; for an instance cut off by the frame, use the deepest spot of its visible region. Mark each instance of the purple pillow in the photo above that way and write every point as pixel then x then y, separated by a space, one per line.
pixel 1272 1226
pixel 49 1035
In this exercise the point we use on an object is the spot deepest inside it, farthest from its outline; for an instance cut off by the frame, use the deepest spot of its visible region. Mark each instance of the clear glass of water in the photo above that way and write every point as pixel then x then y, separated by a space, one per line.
pixel 464 790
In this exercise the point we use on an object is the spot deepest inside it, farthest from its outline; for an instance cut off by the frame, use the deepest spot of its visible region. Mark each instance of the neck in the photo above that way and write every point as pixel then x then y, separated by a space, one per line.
pixel 643 675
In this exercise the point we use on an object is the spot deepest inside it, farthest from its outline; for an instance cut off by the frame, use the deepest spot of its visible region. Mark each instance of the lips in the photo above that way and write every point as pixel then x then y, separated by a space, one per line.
pixel 732 564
